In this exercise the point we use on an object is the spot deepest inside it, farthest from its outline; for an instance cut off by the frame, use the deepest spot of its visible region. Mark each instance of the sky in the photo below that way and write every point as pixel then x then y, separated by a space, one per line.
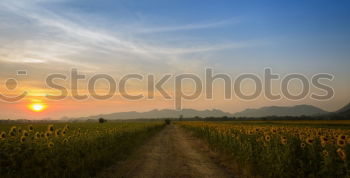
pixel 119 37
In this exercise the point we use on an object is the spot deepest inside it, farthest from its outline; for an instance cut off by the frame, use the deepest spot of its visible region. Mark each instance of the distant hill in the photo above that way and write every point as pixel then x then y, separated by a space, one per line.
pixel 298 110
pixel 344 110
pixel 154 114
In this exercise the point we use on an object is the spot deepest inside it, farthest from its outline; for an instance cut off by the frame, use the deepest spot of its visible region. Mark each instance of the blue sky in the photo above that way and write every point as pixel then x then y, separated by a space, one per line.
pixel 281 30
pixel 119 37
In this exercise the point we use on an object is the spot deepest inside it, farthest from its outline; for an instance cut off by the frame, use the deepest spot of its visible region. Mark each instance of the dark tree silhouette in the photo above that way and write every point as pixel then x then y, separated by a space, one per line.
pixel 101 120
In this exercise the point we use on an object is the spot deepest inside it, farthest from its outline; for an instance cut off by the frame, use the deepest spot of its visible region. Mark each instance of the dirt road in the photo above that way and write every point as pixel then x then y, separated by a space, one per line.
pixel 169 154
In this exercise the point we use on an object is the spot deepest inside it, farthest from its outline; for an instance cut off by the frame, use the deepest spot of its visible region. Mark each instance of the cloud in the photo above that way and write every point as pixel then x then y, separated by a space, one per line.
pixel 185 27
pixel 32 60
pixel 73 40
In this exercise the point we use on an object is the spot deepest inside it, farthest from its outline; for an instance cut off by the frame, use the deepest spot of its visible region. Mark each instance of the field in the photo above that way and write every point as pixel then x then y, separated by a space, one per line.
pixel 280 148
pixel 156 149
pixel 69 149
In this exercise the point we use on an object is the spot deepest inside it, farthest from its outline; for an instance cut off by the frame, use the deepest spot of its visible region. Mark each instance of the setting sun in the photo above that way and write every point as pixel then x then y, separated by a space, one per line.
pixel 37 107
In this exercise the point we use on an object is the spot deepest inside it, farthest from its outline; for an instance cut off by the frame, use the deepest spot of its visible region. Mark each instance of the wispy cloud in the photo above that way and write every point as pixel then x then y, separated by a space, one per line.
pixel 78 42
pixel 194 26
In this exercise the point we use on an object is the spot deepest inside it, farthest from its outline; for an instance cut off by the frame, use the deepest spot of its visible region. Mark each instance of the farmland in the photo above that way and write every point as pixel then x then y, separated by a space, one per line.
pixel 280 148
pixel 180 149
pixel 69 149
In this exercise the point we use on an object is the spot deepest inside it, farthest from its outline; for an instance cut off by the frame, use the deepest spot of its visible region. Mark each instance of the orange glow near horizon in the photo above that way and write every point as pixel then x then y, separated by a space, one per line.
pixel 37 107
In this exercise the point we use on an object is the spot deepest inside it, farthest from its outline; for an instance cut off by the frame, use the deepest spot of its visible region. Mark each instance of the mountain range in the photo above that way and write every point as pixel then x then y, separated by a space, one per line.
pixel 165 113
pixel 298 110
pixel 344 110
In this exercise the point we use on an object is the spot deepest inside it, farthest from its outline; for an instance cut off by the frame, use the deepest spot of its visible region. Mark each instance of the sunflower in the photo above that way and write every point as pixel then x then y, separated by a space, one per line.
pixel 13 129
pixel 47 134
pixel 341 154
pixel 50 128
pixel 267 138
pixel 12 133
pixel 341 142
pixel 65 140
pixel 64 133
pixel 25 133
pixel 302 145
pixel 30 128
pixel 50 144
pixel 57 132
pixel 343 137
pixel 3 135
pixel 23 139
pixel 323 140
pixel 309 140
pixel 284 140
pixel 37 135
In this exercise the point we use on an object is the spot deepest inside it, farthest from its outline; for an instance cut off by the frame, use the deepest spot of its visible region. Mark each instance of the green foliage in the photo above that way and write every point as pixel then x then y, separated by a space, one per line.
pixel 74 150
pixel 167 121
pixel 279 151
pixel 101 120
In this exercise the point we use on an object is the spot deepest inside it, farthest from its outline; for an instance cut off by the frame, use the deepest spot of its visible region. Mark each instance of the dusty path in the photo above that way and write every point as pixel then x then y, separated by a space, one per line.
pixel 171 153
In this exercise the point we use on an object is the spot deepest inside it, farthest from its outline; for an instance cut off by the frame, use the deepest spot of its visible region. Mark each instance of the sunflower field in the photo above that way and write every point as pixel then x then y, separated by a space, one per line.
pixel 275 150
pixel 68 150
